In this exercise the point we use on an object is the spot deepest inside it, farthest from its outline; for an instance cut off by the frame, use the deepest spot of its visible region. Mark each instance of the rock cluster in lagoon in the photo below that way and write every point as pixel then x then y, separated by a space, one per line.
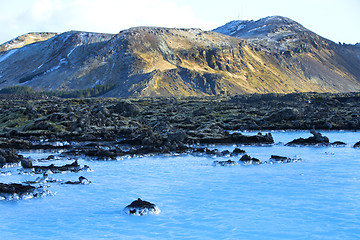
pixel 16 191
pixel 38 187
pixel 140 207
pixel 248 160
pixel 73 167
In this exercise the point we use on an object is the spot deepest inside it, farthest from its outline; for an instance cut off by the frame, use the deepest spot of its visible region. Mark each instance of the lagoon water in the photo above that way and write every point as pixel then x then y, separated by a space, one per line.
pixel 317 198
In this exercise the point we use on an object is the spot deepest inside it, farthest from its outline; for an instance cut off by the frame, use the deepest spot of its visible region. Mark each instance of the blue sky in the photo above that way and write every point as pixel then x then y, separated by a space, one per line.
pixel 337 20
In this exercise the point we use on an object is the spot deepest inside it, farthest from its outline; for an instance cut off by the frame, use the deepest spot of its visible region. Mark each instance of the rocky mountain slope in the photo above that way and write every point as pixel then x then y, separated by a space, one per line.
pixel 273 54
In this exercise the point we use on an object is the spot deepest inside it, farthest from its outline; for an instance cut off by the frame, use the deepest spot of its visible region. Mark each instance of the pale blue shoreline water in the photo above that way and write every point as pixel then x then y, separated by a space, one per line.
pixel 318 198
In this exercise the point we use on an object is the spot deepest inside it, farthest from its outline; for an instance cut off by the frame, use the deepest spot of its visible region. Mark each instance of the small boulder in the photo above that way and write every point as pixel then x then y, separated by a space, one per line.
pixel 140 207
pixel 225 153
pixel 247 160
pixel 237 151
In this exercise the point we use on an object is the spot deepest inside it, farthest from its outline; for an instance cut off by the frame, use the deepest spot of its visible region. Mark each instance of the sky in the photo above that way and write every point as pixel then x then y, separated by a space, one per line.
pixel 337 20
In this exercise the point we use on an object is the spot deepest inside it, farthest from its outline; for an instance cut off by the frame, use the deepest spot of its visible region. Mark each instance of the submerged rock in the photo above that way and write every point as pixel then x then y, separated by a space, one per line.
pixel 225 163
pixel 316 139
pixel 140 207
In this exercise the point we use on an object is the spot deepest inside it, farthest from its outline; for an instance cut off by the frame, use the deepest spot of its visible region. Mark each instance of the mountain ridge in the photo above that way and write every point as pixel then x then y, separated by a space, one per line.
pixel 279 56
pixel 26 39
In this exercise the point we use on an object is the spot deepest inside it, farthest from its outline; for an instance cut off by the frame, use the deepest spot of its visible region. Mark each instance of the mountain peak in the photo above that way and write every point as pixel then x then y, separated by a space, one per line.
pixel 262 28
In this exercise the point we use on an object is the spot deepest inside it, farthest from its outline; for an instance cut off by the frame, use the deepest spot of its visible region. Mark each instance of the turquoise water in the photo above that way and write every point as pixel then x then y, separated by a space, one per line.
pixel 317 198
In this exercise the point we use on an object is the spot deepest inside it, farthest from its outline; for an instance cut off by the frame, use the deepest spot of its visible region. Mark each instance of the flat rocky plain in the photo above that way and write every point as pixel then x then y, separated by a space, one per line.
pixel 162 125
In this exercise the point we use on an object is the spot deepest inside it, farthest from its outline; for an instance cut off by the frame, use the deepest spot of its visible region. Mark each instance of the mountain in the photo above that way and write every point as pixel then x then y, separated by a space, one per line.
pixel 273 54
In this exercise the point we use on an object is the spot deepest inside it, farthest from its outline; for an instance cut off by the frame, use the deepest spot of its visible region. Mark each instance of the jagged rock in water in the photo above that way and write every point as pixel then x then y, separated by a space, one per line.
pixel 357 145
pixel 277 158
pixel 73 167
pixel 316 139
pixel 82 180
pixel 225 163
pixel 16 191
pixel 237 151
pixel 281 159
pixel 255 139
pixel 212 151
pixel 8 157
pixel 225 153
pixel 247 160
pixel 140 207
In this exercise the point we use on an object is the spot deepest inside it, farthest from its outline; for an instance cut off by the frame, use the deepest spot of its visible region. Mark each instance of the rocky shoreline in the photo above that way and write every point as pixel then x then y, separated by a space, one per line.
pixel 110 128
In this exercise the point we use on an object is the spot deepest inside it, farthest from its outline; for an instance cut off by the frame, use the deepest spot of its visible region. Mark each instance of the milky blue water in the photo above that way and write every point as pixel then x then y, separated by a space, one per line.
pixel 317 198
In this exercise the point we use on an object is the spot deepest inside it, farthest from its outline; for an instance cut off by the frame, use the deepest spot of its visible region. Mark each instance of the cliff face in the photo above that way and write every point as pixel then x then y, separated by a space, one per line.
pixel 274 54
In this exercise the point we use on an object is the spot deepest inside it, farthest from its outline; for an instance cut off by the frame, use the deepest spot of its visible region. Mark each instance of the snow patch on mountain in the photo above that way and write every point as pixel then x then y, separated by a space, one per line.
pixel 231 27
pixel 7 54
pixel 70 52
pixel 62 62
pixel 269 27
